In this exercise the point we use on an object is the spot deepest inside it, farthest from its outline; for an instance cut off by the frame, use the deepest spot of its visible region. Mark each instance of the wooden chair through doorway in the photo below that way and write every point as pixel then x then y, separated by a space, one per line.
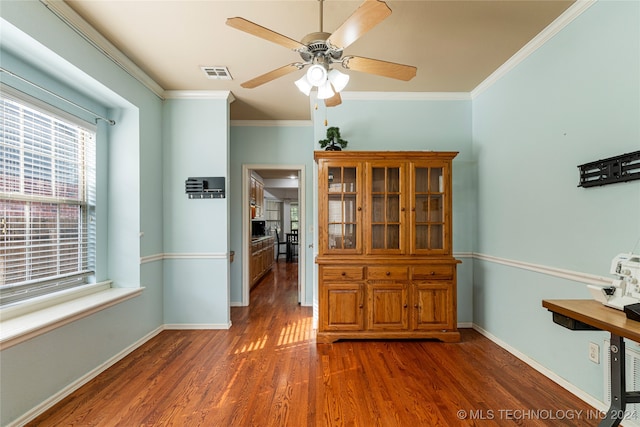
pixel 280 244
pixel 292 245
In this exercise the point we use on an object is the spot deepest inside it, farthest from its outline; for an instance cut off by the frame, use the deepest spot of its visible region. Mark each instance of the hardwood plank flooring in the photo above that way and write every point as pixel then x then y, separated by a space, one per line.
pixel 267 370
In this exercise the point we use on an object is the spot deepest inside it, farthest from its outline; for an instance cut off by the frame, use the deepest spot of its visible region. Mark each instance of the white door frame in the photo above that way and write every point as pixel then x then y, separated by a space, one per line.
pixel 246 232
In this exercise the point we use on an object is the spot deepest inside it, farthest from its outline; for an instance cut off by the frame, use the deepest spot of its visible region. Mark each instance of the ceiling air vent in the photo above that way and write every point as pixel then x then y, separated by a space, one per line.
pixel 217 73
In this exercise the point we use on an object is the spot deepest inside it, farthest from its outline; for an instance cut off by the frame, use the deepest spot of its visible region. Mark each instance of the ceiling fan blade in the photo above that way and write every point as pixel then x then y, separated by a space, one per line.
pixel 264 33
pixel 368 15
pixel 380 68
pixel 271 75
pixel 334 100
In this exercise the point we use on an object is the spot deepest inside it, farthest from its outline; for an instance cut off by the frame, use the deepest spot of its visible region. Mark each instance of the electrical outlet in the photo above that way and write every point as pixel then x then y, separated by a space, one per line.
pixel 594 352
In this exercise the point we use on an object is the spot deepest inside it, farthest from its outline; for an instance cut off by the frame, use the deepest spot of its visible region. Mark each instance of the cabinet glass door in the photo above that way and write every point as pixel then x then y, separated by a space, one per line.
pixel 386 209
pixel 428 209
pixel 342 218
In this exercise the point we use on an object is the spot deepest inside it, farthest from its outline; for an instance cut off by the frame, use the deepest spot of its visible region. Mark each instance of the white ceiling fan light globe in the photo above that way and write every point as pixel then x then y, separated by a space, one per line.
pixel 304 85
pixel 325 91
pixel 338 80
pixel 317 75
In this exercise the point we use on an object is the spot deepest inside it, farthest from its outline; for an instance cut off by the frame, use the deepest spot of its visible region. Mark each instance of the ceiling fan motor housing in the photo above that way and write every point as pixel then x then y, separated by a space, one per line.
pixel 318 50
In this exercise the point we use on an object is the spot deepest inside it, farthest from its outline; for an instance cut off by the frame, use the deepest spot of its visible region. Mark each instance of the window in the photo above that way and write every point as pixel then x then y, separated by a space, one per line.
pixel 293 211
pixel 47 200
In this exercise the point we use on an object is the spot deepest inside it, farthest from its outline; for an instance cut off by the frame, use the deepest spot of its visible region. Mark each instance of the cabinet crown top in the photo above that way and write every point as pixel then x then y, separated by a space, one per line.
pixel 384 155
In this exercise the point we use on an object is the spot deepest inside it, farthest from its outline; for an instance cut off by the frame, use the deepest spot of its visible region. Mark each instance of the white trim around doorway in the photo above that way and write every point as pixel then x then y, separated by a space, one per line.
pixel 246 232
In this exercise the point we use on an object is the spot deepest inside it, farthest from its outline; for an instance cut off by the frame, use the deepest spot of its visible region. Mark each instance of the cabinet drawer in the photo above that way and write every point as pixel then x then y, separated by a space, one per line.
pixel 343 273
pixel 387 273
pixel 427 272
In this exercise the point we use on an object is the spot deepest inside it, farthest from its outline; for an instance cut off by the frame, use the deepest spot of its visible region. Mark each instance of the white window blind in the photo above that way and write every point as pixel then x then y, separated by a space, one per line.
pixel 293 211
pixel 47 201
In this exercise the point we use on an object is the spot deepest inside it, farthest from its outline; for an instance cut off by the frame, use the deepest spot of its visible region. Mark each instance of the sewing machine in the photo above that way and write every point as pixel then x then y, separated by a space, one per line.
pixel 625 289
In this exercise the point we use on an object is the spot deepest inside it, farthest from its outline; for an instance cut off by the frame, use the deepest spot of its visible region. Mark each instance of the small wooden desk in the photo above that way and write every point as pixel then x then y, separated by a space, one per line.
pixel 581 315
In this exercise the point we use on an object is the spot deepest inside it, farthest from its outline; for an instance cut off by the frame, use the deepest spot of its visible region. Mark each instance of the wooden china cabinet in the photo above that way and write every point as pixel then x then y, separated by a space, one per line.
pixel 386 268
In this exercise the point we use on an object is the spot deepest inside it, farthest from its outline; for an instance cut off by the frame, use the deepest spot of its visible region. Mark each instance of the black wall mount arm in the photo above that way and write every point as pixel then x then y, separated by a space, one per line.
pixel 622 168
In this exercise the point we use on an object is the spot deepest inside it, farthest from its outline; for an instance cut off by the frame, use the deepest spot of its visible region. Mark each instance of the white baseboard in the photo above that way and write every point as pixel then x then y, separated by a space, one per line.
pixel 544 371
pixel 53 400
pixel 187 326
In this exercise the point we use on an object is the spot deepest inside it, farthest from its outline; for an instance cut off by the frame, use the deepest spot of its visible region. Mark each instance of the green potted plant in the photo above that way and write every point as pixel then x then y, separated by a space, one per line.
pixel 333 141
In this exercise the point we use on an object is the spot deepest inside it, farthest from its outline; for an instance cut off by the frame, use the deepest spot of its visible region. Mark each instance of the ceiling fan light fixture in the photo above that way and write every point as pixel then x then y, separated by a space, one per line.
pixel 317 75
pixel 304 85
pixel 338 80
pixel 325 91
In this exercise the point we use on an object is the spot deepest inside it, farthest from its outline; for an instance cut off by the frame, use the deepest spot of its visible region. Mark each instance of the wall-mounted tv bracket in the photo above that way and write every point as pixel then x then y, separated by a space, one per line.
pixel 205 187
pixel 623 168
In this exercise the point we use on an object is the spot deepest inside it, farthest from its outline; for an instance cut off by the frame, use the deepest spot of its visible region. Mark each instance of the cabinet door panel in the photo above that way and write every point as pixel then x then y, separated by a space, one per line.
pixel 386 213
pixel 340 210
pixel 429 205
pixel 433 306
pixel 388 306
pixel 343 307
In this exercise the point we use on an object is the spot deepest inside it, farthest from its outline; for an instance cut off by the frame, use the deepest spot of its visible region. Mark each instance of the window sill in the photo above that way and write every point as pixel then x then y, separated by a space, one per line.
pixel 28 320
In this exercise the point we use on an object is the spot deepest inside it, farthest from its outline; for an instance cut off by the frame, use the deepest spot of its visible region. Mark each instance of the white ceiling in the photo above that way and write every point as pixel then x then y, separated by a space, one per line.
pixel 454 44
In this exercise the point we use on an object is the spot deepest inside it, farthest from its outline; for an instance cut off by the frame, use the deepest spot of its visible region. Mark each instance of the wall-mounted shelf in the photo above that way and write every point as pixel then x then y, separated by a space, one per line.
pixel 205 187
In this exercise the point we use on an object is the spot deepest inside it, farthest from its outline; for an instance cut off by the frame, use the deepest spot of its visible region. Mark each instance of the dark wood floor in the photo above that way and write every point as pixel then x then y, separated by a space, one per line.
pixel 268 371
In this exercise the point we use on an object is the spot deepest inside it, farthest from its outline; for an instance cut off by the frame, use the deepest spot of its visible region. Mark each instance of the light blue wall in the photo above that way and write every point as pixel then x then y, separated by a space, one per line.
pixel 196 277
pixel 575 100
pixel 55 57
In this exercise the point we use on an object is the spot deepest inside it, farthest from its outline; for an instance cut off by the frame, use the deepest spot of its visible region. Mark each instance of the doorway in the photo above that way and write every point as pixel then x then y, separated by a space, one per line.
pixel 274 177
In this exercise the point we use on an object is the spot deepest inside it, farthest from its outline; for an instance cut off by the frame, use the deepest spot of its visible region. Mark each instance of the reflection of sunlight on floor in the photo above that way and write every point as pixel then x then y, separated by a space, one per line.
pixel 295 332
pixel 223 399
pixel 256 345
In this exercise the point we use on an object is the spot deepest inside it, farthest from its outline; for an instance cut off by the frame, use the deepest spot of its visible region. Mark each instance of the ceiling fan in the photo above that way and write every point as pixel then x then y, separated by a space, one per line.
pixel 320 50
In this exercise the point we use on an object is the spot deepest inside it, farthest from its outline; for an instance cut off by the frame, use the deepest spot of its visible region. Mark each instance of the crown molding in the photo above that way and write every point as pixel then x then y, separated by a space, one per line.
pixel 198 94
pixel 267 123
pixel 98 41
pixel 575 10
pixel 406 96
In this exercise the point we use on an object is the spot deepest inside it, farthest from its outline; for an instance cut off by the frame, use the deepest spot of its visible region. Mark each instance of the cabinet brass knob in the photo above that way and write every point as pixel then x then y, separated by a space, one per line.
pixel 343 273
pixel 415 306
pixel 405 306
pixel 359 208
pixel 402 209
pixel 360 306
pixel 433 273
pixel 388 273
